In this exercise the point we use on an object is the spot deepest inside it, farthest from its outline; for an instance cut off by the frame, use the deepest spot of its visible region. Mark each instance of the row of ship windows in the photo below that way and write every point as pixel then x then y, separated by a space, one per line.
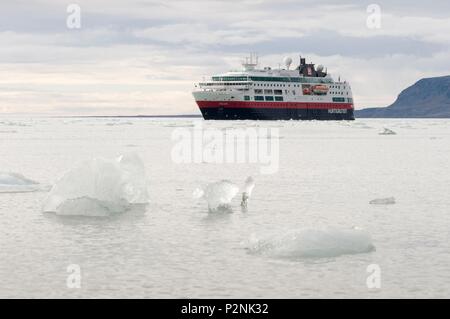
pixel 280 98
pixel 226 83
pixel 271 79
pixel 280 92
pixel 277 85
pixel 265 98
pixel 276 92
pixel 298 85
pixel 338 93
pixel 255 84
pixel 262 85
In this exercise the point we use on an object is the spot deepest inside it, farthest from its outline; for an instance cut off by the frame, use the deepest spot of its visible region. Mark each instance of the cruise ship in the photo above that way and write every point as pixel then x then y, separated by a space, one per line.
pixel 307 92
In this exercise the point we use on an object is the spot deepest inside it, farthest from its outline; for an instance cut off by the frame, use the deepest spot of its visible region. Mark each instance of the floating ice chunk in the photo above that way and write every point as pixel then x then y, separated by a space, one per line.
pixel 387 131
pixel 15 179
pixel 100 187
pixel 118 123
pixel 218 195
pixel 198 193
pixel 248 189
pixel 9 123
pixel 315 243
pixel 17 183
pixel 383 201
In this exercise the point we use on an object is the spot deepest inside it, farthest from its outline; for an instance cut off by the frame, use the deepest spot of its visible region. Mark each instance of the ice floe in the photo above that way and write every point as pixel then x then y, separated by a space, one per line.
pixel 10 123
pixel 383 201
pixel 248 189
pixel 118 123
pixel 218 195
pixel 17 183
pixel 359 125
pixel 313 243
pixel 100 187
pixel 387 131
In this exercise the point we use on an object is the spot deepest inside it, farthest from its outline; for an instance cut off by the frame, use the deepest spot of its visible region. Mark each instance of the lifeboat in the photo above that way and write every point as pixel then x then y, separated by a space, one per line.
pixel 320 89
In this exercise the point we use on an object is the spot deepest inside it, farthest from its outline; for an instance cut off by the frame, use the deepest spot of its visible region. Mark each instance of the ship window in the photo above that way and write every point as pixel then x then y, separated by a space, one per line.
pixel 279 98
pixel 268 92
pixel 278 92
pixel 259 98
pixel 338 99
pixel 258 91
pixel 269 98
pixel 247 98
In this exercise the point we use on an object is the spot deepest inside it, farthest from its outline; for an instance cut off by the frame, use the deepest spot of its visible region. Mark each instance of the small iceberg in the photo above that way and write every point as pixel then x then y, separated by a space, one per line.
pixel 218 195
pixel 17 183
pixel 383 201
pixel 314 243
pixel 247 193
pixel 387 131
pixel 100 187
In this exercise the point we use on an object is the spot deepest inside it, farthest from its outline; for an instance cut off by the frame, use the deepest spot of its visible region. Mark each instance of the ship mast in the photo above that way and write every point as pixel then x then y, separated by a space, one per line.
pixel 250 63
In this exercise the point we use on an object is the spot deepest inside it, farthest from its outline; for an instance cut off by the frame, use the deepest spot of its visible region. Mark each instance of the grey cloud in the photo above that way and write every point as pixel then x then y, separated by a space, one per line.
pixel 330 43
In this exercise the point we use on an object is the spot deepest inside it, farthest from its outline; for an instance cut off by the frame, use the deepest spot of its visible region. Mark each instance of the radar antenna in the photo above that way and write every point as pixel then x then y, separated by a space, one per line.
pixel 287 62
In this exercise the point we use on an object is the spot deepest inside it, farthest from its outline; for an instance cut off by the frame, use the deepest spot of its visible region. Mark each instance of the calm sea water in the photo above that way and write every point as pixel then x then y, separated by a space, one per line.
pixel 328 173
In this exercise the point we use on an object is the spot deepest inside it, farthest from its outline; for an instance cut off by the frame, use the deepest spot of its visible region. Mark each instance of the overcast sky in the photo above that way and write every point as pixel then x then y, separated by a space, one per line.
pixel 143 56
